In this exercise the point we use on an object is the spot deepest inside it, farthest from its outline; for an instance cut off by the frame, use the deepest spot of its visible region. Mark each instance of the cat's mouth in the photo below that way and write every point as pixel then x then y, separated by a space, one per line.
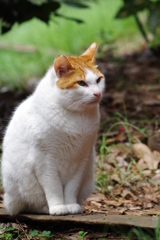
pixel 95 101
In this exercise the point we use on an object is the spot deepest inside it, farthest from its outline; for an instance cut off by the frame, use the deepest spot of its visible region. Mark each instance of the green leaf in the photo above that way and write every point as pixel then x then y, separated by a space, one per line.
pixel 142 130
pixel 131 7
pixel 123 12
pixel 81 235
pixel 45 234
pixel 69 18
pixel 20 11
pixel 154 18
pixel 76 4
pixel 33 233
pixel 9 229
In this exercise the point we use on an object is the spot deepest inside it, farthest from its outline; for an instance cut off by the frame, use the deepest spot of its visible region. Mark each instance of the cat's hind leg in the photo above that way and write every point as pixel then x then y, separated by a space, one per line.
pixel 42 210
pixel 14 203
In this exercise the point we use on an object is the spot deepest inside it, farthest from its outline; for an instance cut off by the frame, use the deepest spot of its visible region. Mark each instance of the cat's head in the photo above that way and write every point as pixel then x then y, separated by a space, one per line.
pixel 79 82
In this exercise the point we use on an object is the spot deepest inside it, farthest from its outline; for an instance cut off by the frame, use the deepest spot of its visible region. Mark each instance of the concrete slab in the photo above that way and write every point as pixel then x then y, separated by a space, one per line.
pixel 95 219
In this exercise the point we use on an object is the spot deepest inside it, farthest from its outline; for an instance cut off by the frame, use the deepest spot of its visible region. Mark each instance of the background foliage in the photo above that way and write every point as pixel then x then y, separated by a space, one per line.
pixel 34 32
pixel 12 11
pixel 152 8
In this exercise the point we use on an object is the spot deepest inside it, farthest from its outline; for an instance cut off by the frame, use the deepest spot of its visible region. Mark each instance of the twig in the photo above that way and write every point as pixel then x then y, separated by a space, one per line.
pixel 140 26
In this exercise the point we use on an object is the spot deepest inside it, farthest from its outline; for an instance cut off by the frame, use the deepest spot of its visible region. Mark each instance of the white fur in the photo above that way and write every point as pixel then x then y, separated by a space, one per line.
pixel 48 149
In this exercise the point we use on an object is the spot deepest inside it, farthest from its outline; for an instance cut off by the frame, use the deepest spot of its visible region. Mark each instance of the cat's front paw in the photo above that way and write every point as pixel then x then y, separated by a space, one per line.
pixel 58 210
pixel 74 208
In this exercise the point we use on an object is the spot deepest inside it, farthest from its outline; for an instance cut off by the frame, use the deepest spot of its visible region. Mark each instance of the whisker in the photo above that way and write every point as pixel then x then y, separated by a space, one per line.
pixel 79 104
pixel 76 106
pixel 105 100
pixel 73 104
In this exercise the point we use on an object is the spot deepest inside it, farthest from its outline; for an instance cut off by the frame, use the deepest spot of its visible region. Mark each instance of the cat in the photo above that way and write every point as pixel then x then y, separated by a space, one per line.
pixel 48 149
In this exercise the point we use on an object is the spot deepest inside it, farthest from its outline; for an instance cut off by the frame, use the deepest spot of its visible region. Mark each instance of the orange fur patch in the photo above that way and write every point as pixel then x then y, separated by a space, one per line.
pixel 80 64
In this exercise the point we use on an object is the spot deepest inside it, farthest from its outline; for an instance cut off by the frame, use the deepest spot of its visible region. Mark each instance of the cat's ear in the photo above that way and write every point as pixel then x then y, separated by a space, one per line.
pixel 91 51
pixel 62 66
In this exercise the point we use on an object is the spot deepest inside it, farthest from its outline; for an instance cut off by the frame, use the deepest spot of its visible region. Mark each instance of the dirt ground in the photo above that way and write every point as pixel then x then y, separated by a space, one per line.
pixel 132 99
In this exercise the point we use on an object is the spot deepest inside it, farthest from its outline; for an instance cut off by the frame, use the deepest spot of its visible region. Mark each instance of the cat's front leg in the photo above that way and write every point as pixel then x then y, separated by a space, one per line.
pixel 49 180
pixel 58 210
pixel 70 194
pixel 72 188
pixel 81 186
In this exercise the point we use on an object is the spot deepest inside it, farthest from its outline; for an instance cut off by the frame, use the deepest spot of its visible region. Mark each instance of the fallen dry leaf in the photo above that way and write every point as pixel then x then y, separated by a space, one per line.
pixel 156 179
pixel 147 172
pixel 98 211
pixel 97 204
pixel 122 210
pixel 111 134
pixel 135 213
pixel 106 166
pixel 111 157
pixel 140 150
pixel 135 208
pixel 151 101
pixel 2 205
pixel 121 162
pixel 142 164
pixel 118 98
pixel 117 191
pixel 2 231
pixel 147 205
pixel 154 141
pixel 121 137
pixel 151 88
pixel 96 197
pixel 126 194
pixel 152 212
pixel 115 177
pixel 113 203
pixel 156 155
pixel 136 135
pixel 148 196
pixel 143 152
pixel 119 148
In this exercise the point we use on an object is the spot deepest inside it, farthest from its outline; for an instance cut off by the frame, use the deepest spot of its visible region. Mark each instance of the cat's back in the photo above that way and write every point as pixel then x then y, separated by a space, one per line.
pixel 27 117
pixel 17 127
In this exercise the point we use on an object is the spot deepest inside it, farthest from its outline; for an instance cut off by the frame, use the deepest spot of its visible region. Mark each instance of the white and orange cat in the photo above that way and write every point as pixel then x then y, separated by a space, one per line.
pixel 48 149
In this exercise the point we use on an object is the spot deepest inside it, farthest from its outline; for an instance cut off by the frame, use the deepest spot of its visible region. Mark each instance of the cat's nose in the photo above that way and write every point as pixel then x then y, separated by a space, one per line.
pixel 98 94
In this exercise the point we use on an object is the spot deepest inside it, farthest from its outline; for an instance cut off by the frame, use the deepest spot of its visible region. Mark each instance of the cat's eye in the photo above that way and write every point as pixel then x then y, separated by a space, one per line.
pixel 82 83
pixel 99 79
